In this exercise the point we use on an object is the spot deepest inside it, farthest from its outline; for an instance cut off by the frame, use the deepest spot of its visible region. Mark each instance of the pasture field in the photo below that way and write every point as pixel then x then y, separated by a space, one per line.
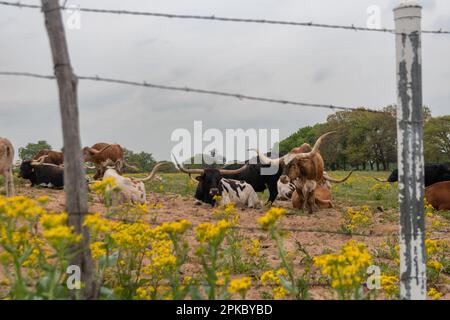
pixel 288 254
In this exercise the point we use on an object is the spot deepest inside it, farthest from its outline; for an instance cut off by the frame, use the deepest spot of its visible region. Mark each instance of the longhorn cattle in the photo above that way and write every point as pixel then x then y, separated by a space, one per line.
pixel 304 166
pixel 438 195
pixel 6 164
pixel 433 173
pixel 131 189
pixel 286 189
pixel 99 153
pixel 39 173
pixel 252 174
pixel 50 156
pixel 322 197
pixel 212 184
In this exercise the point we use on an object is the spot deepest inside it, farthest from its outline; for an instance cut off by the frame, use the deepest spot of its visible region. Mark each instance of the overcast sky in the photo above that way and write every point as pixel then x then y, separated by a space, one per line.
pixel 297 63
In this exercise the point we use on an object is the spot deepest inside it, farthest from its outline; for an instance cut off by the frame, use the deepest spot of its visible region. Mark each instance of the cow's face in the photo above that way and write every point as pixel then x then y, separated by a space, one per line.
pixel 26 170
pixel 291 171
pixel 87 154
pixel 209 186
pixel 394 176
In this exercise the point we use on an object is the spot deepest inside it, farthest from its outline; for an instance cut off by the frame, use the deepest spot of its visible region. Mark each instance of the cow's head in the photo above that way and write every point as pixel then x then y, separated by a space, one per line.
pixel 89 153
pixel 209 181
pixel 394 176
pixel 299 162
pixel 27 167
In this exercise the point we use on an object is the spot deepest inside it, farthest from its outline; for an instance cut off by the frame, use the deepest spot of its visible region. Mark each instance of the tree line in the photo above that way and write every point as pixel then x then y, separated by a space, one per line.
pixel 368 140
pixel 143 161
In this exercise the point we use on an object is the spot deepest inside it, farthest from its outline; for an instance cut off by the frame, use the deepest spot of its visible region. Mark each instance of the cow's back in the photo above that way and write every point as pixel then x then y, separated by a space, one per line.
pixel 438 195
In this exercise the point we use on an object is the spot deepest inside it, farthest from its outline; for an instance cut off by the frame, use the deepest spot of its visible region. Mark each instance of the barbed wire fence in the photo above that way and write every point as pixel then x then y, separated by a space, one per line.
pixel 217 18
pixel 409 120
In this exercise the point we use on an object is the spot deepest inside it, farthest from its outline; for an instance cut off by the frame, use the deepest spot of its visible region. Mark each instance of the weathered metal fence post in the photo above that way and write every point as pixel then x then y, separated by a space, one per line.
pixel 74 172
pixel 410 151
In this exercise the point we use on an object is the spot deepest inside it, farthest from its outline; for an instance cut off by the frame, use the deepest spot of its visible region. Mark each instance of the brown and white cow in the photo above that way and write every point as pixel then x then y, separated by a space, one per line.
pixel 304 166
pixel 438 195
pixel 322 192
pixel 99 153
pixel 131 189
pixel 6 164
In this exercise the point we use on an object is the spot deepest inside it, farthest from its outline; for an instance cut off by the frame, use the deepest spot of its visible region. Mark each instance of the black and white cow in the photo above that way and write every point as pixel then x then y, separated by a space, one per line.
pixel 212 184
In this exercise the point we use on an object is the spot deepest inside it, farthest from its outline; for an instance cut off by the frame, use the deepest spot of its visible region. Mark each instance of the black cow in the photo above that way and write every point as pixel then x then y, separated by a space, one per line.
pixel 211 183
pixel 42 174
pixel 253 176
pixel 433 173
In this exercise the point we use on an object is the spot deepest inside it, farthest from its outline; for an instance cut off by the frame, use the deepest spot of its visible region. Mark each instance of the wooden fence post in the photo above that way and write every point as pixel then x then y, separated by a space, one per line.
pixel 410 151
pixel 74 173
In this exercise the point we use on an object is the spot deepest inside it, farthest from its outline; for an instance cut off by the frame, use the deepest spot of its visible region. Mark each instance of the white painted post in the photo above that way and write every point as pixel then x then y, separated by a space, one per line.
pixel 410 151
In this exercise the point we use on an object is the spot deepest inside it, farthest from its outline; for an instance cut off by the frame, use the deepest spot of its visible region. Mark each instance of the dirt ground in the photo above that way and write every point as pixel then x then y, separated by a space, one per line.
pixel 315 232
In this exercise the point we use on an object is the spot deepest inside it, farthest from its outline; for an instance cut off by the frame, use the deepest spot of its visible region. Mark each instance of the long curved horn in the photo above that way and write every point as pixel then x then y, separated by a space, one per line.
pixel 89 167
pixel 312 153
pixel 153 173
pixel 188 171
pixel 130 166
pixel 234 171
pixel 328 178
pixel 265 159
pixel 39 161
pixel 379 180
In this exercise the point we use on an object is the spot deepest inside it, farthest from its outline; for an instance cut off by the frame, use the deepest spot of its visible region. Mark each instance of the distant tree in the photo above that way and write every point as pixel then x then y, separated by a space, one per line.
pixel 205 161
pixel 368 140
pixel 143 161
pixel 31 149
pixel 437 140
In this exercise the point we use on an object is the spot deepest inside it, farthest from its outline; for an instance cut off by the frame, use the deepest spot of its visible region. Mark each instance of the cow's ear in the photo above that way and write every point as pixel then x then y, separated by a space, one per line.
pixel 198 178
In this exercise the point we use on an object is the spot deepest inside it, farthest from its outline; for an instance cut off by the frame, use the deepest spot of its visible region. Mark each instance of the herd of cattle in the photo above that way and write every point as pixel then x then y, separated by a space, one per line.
pixel 299 177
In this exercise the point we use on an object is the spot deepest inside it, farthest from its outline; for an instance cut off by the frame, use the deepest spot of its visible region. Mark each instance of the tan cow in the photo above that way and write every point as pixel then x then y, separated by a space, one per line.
pixel 6 164
pixel 438 195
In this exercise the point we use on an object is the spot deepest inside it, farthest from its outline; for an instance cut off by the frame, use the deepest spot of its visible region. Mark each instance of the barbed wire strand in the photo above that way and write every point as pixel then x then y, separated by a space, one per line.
pixel 257 229
pixel 194 90
pixel 218 18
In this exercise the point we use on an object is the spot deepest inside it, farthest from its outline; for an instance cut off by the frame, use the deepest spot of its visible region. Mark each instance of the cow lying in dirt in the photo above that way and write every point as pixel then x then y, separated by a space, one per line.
pixel 212 184
pixel 131 189
pixel 239 192
pixel 438 195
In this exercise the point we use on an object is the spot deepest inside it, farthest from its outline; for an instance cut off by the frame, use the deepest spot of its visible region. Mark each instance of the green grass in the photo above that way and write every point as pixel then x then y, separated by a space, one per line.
pixel 362 189
pixel 354 192
pixel 357 191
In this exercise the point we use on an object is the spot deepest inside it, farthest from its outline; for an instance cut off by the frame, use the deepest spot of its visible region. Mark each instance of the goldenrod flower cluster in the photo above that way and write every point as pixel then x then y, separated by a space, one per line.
pixel 273 278
pixel 176 228
pixel 212 232
pixel 271 217
pixel 434 294
pixel 240 285
pixel 346 269
pixel 389 284
pixel 106 185
pixel 254 248
pixel 354 219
